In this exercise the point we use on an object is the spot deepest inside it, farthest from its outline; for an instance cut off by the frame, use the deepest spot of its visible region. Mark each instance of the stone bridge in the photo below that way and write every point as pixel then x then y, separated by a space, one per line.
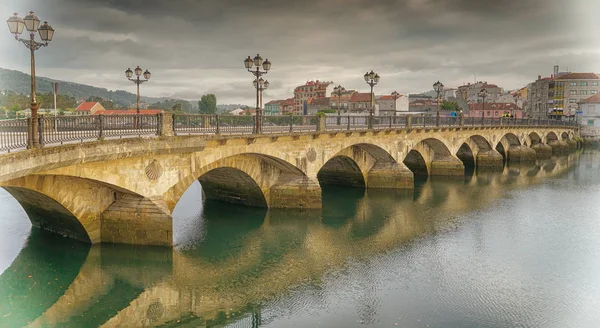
pixel 158 286
pixel 124 191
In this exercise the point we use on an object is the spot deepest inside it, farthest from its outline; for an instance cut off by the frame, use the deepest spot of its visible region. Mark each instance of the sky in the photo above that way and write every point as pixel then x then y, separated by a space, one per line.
pixel 198 47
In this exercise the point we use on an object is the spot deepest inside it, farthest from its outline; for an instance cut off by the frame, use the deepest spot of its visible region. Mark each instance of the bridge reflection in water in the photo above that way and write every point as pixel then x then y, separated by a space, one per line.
pixel 243 258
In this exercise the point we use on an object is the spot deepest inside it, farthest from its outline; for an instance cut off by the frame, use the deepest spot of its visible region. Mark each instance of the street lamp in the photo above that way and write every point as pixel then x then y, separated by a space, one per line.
pixel 137 81
pixel 339 91
pixel 260 85
pixel 438 87
pixel 372 79
pixel 32 23
pixel 483 94
pixel 266 66
pixel 395 96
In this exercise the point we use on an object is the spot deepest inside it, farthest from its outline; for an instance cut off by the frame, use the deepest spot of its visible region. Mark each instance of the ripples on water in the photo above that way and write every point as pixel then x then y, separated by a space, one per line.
pixel 517 249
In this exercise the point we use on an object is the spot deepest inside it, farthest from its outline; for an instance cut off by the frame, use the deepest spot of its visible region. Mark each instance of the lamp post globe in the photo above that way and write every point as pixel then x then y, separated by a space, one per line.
pixel 32 22
pixel 128 73
pixel 147 75
pixel 15 25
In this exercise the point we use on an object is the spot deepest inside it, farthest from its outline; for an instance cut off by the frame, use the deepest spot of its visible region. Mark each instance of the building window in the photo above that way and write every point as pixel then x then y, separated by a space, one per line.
pixel 590 122
pixel 593 92
pixel 573 92
pixel 595 83
pixel 583 92
pixel 573 84
pixel 496 113
pixel 488 113
pixel 583 84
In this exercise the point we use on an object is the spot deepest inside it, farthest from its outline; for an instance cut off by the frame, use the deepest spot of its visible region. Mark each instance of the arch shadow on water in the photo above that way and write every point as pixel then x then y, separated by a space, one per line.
pixel 38 276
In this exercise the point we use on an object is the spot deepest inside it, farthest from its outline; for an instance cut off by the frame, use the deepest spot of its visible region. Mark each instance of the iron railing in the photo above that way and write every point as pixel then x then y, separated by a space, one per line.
pixel 67 129
pixel 14 134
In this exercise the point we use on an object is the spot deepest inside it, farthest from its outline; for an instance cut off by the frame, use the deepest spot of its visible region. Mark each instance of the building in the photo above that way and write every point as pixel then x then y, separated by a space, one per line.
pixel 317 104
pixel 539 97
pixel 470 92
pixel 236 111
pixel 311 89
pixel 423 105
pixel 272 107
pixel 344 100
pixel 577 87
pixel 360 102
pixel 287 107
pixel 495 110
pixel 88 108
pixel 386 104
pixel 588 116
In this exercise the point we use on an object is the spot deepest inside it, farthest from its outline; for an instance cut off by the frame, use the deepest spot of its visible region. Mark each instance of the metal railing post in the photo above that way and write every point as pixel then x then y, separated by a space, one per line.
pixel 41 130
pixel 348 122
pixel 408 121
pixel 100 126
pixel 291 123
pixel 218 130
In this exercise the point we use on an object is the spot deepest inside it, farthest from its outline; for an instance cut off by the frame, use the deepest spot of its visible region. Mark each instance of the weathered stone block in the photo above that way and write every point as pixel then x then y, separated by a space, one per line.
pixel 390 176
pixel 447 166
pixel 542 151
pixel 521 154
pixel 489 161
pixel 300 193
pixel 559 147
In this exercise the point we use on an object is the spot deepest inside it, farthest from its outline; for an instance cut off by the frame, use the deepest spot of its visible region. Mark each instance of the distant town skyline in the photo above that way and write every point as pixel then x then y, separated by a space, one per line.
pixel 198 47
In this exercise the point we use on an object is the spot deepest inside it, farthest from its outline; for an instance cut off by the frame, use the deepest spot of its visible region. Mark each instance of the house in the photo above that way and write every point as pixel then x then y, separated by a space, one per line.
pixel 387 105
pixel 316 104
pixel 588 116
pixel 287 106
pixel 272 107
pixel 237 111
pixel 423 105
pixel 88 108
pixel 360 102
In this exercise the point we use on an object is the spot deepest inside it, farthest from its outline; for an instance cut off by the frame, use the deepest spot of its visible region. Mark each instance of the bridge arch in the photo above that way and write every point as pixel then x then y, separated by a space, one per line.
pixel 429 154
pixel 550 137
pixel 74 211
pixel 534 139
pixel 250 179
pixel 365 165
pixel 471 148
pixel 506 142
pixel 564 136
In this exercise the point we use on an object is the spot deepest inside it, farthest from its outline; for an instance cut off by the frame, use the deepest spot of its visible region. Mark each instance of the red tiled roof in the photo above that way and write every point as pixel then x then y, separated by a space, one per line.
pixel 318 101
pixel 494 106
pixel 288 102
pixel 360 97
pixel 386 97
pixel 129 112
pixel 579 76
pixel 86 105
pixel 591 100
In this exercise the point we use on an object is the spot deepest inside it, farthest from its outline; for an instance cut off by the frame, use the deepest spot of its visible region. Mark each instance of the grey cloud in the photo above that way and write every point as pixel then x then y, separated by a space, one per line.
pixel 194 47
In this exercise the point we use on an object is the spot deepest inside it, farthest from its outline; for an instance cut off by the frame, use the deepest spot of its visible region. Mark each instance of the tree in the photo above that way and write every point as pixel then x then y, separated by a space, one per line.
pixel 208 104
pixel 177 108
pixel 450 106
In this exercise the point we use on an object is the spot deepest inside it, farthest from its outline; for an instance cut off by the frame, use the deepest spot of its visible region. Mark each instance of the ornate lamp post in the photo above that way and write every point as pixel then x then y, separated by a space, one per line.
pixel 32 23
pixel 372 79
pixel 137 81
pixel 395 96
pixel 438 87
pixel 260 85
pixel 516 97
pixel 483 94
pixel 266 66
pixel 339 91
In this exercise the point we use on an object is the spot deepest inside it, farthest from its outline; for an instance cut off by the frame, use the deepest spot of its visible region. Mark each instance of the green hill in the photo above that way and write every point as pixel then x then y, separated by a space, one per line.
pixel 19 82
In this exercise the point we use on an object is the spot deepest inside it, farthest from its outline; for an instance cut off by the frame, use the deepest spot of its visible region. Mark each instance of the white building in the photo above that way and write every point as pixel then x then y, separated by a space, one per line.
pixel 588 116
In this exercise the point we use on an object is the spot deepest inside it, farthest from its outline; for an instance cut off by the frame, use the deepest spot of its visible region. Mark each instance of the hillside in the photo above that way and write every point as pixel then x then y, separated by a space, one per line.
pixel 20 82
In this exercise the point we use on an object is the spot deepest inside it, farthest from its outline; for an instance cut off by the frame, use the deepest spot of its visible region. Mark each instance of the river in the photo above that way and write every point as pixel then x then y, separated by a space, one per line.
pixel 519 248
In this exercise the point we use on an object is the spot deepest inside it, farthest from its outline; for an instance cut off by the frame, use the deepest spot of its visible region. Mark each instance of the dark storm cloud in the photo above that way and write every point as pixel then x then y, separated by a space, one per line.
pixel 194 47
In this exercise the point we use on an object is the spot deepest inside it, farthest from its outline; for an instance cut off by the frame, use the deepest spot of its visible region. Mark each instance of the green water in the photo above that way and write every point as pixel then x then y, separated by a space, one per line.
pixel 513 249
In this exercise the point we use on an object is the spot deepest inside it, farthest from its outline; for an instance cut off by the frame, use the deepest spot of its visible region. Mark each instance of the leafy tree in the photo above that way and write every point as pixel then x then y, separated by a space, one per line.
pixel 450 106
pixel 177 108
pixel 208 104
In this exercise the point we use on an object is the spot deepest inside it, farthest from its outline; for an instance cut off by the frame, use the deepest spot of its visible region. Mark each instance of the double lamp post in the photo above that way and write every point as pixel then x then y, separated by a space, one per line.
pixel 31 22
pixel 259 83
